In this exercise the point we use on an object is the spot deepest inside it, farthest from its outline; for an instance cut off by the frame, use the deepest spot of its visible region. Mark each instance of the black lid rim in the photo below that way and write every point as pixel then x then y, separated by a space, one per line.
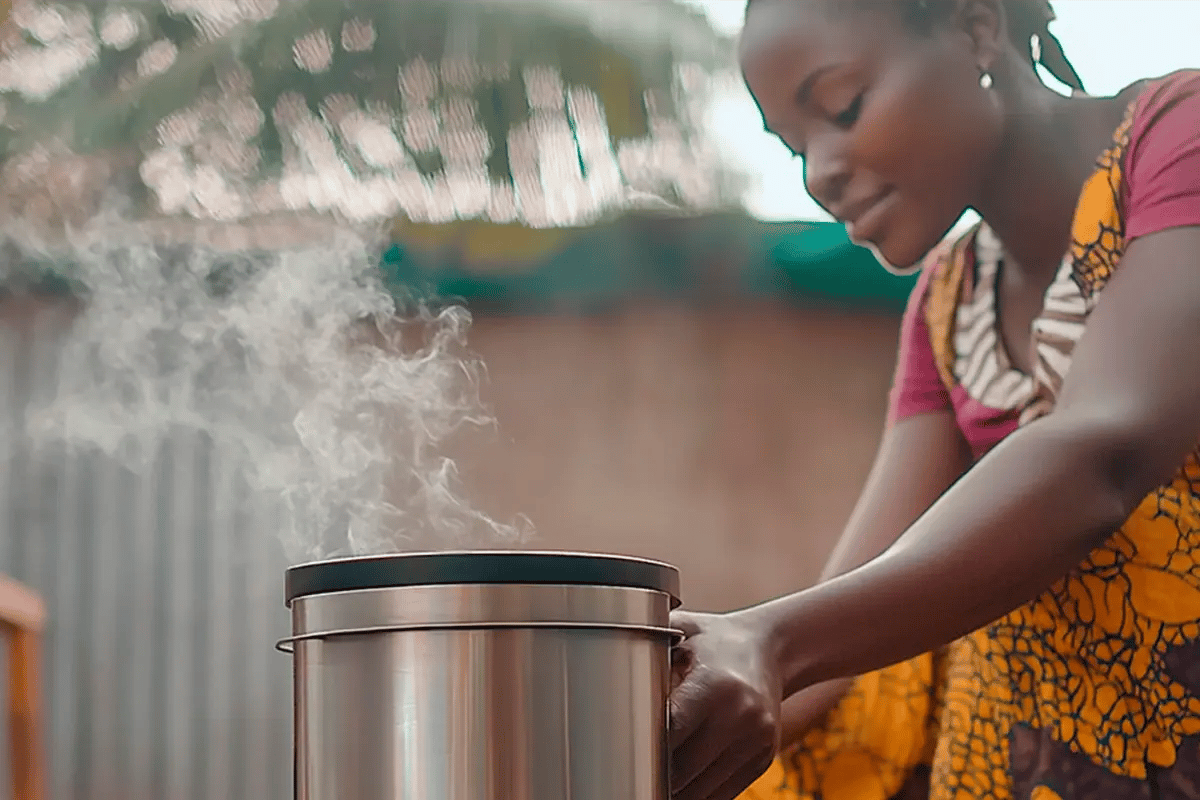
pixel 480 567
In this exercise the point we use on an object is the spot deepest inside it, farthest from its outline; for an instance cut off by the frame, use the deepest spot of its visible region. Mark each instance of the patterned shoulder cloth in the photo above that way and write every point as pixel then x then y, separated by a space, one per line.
pixel 1097 242
pixel 1092 690
pixel 948 265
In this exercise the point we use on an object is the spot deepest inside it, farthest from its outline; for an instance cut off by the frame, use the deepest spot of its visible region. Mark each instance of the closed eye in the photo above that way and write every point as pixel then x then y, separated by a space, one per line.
pixel 849 116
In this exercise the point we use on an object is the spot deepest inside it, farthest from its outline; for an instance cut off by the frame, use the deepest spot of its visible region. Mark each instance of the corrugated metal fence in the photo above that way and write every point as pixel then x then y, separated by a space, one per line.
pixel 165 598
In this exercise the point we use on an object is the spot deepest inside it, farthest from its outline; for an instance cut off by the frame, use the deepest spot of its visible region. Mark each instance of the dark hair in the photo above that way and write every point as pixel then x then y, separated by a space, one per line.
pixel 1028 29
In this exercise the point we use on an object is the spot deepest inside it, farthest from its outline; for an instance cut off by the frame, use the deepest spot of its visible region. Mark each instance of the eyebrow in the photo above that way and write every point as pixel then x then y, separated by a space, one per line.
pixel 806 86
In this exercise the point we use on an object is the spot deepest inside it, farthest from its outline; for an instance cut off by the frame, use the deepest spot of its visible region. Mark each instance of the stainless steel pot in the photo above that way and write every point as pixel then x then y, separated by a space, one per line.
pixel 481 676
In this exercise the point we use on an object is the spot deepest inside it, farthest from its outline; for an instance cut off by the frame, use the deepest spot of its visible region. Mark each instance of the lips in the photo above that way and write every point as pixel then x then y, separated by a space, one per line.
pixel 863 219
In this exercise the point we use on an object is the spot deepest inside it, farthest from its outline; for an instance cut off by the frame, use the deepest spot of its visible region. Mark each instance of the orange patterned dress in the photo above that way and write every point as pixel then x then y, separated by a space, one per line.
pixel 1092 691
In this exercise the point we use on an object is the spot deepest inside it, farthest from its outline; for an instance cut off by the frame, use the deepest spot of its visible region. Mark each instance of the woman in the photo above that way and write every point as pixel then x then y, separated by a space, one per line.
pixel 1032 627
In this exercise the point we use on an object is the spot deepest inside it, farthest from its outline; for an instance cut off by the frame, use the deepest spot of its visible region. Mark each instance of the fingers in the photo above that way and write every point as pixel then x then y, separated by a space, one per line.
pixel 729 775
pixel 697 755
pixel 685 622
pixel 691 704
pixel 705 719
pixel 724 709
pixel 682 661
pixel 682 657
pixel 742 779
pixel 719 734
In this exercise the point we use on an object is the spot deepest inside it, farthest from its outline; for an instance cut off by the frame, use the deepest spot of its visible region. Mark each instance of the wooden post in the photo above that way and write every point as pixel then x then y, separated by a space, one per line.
pixel 23 615
pixel 25 732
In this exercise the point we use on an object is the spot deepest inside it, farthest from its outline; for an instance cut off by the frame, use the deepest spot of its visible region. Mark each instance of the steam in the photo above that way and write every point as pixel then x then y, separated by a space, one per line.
pixel 334 399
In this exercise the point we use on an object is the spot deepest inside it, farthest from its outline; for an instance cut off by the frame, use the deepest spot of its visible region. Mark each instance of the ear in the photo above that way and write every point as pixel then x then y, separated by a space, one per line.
pixel 985 24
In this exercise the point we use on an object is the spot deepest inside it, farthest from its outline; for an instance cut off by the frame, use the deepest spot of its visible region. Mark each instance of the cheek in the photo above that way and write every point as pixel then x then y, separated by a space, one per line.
pixel 925 132
pixel 928 134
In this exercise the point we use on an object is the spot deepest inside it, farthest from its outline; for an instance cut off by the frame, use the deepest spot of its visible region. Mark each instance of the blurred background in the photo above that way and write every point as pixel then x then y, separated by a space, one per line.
pixel 680 356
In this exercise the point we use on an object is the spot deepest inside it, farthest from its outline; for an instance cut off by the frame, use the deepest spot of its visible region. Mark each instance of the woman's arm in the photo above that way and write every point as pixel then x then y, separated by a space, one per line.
pixel 918 458
pixel 1031 510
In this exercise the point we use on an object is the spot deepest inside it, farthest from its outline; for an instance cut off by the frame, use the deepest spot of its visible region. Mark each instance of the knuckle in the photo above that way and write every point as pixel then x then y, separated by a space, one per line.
pixel 750 706
pixel 745 708
pixel 747 698
pixel 759 721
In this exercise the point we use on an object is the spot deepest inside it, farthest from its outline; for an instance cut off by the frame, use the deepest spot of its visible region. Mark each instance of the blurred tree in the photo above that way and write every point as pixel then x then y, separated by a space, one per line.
pixel 537 113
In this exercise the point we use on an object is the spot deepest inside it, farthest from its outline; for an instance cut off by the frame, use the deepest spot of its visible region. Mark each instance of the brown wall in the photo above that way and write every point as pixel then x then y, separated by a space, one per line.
pixel 731 443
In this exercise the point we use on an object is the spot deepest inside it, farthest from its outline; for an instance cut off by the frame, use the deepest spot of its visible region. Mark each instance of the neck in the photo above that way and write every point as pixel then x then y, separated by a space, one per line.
pixel 1048 151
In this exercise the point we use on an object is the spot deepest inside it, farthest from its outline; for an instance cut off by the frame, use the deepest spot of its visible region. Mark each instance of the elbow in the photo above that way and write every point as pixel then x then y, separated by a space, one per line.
pixel 1119 458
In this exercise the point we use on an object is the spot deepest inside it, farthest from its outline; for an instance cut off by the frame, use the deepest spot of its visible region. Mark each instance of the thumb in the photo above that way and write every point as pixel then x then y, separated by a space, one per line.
pixel 686 623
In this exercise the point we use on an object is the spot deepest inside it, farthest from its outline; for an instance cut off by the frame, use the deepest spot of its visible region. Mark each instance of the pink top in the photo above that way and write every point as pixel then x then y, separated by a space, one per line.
pixel 1162 191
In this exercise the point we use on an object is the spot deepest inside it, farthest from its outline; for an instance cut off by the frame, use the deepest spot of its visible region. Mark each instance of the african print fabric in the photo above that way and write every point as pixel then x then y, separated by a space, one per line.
pixel 1090 692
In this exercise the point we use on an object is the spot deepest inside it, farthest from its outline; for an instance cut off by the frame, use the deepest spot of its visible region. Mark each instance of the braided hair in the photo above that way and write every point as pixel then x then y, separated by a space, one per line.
pixel 1029 21
pixel 1028 28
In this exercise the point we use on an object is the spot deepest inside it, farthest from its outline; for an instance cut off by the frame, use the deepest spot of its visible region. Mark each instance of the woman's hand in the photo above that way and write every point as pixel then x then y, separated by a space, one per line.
pixel 725 706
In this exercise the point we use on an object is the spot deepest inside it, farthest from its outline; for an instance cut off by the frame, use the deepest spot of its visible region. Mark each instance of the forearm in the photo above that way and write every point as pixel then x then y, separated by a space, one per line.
pixel 1020 520
pixel 807 707
pixel 919 457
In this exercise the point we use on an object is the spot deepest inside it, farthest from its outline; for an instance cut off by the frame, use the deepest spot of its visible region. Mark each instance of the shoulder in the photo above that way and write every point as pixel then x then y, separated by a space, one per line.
pixel 1155 96
pixel 1165 108
pixel 1172 101
pixel 1162 156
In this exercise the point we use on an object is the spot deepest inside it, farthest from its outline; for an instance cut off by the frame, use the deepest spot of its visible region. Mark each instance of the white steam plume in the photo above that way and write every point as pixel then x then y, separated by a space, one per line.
pixel 298 364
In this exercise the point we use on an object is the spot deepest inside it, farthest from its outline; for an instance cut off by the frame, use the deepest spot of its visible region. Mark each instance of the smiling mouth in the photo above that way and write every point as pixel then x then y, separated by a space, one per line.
pixel 865 226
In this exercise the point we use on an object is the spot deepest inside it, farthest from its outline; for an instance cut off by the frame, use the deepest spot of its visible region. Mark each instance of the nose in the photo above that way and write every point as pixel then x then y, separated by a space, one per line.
pixel 826 172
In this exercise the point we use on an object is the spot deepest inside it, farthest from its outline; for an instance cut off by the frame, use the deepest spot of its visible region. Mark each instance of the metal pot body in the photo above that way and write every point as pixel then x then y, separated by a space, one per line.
pixel 482 692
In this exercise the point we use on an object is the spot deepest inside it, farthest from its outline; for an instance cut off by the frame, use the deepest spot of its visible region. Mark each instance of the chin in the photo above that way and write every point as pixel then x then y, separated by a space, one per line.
pixel 902 254
pixel 896 261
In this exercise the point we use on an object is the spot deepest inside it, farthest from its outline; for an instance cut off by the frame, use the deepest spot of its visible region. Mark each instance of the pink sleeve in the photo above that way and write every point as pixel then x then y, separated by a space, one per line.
pixel 917 387
pixel 1163 160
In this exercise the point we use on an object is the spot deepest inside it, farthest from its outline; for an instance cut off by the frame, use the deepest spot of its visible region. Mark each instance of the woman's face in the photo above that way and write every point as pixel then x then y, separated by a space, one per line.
pixel 894 128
